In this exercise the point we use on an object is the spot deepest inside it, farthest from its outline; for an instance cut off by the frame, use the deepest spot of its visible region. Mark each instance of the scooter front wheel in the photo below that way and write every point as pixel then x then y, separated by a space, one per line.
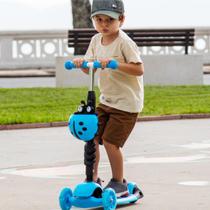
pixel 65 199
pixel 109 199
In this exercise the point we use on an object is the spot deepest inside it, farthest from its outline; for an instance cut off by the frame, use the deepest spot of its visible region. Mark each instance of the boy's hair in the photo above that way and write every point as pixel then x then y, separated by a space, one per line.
pixel 112 8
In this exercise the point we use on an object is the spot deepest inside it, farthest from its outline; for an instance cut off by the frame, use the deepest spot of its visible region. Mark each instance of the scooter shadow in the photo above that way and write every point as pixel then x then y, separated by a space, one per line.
pixel 118 207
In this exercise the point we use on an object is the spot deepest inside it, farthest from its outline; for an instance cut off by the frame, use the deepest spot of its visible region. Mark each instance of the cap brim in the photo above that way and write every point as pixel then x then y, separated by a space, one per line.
pixel 111 14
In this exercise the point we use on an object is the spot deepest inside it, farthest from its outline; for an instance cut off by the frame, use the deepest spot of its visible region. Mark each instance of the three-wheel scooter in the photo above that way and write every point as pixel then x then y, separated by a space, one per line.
pixel 83 125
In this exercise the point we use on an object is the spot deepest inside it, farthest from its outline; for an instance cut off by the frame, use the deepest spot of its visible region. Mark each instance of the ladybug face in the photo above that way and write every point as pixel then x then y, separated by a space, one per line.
pixel 83 126
pixel 83 109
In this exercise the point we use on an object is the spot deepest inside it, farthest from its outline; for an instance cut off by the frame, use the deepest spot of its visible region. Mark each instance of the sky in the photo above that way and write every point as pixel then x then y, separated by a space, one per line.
pixel 56 14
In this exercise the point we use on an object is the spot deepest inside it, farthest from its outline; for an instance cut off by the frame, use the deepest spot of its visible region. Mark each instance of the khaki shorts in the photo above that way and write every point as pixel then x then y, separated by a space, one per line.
pixel 114 125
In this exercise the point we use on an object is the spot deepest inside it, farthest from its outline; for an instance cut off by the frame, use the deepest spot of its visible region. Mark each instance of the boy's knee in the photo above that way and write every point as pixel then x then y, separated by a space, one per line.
pixel 96 143
pixel 108 145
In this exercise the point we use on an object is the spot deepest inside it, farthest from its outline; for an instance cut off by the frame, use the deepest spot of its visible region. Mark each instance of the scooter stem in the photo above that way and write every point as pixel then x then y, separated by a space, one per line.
pixel 91 71
pixel 90 150
pixel 89 160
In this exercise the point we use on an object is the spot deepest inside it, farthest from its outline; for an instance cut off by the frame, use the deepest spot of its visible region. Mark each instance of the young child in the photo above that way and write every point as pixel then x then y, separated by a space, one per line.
pixel 121 90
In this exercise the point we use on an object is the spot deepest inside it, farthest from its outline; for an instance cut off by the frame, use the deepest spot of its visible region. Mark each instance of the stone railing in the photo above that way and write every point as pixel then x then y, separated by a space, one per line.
pixel 202 44
pixel 32 49
pixel 38 49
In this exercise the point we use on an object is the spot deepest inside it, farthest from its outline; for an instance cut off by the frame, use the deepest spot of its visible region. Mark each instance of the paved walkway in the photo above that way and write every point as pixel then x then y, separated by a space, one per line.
pixel 46 78
pixel 168 159
pixel 27 78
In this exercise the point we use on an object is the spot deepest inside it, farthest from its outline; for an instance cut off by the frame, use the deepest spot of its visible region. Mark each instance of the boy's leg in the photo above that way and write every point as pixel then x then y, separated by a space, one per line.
pixel 116 160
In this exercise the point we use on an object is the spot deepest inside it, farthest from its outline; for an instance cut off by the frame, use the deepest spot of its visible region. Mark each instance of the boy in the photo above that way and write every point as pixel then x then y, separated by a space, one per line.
pixel 121 90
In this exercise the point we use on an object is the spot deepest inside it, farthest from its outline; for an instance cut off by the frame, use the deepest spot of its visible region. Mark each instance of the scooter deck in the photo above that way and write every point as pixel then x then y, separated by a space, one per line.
pixel 127 200
pixel 96 202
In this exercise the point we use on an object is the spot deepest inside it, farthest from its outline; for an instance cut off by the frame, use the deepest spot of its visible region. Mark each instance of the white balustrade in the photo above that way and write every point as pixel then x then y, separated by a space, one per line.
pixel 32 49
pixel 38 49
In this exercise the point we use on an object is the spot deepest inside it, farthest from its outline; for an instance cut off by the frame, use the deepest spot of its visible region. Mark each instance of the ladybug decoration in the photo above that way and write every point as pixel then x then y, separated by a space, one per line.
pixel 83 124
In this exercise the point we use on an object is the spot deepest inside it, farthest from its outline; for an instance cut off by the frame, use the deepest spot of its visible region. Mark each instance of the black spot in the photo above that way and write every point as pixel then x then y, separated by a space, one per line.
pixel 81 123
pixel 84 128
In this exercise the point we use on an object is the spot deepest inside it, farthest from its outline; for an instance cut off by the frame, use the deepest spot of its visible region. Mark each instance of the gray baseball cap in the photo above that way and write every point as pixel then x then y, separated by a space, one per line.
pixel 112 8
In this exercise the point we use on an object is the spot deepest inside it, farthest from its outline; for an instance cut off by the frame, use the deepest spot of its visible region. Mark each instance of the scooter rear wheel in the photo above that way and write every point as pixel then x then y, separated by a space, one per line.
pixel 134 189
pixel 109 199
pixel 65 199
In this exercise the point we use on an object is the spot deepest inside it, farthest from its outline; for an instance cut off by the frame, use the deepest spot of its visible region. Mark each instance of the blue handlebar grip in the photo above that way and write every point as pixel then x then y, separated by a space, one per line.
pixel 84 65
pixel 69 65
pixel 96 64
pixel 113 64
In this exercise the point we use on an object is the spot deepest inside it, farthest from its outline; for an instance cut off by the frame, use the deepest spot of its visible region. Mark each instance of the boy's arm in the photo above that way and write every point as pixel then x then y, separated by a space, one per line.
pixel 135 69
pixel 132 68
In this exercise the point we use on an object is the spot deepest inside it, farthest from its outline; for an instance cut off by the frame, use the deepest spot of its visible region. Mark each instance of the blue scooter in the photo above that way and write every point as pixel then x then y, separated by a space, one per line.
pixel 83 124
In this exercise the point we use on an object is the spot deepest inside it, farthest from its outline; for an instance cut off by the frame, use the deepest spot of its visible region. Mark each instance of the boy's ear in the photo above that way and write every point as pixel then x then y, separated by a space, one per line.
pixel 121 19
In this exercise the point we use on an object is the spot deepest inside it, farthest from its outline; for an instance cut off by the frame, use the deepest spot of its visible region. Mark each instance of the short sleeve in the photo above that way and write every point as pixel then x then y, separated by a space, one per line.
pixel 131 52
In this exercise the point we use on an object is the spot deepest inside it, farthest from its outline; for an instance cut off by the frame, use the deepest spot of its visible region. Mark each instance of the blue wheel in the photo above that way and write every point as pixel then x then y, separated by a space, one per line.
pixel 109 199
pixel 134 190
pixel 65 199
pixel 131 186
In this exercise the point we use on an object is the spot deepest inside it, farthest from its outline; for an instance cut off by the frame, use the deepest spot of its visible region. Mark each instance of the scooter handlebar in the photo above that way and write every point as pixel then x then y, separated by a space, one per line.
pixel 113 64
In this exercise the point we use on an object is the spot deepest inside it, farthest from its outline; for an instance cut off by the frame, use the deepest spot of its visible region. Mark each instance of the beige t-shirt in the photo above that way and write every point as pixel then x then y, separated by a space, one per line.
pixel 118 89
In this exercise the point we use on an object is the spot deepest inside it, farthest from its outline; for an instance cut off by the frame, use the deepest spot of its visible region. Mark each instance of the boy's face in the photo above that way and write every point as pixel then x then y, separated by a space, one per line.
pixel 107 25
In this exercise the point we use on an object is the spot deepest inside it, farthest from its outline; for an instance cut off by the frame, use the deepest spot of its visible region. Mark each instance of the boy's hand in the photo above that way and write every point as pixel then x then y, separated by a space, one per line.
pixel 104 62
pixel 78 62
